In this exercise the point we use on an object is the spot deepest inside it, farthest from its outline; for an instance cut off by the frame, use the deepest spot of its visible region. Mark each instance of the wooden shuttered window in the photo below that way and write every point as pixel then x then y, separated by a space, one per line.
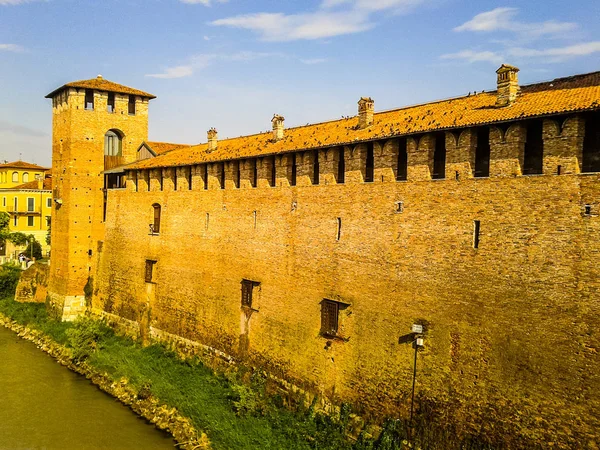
pixel 247 288
pixel 329 317
pixel 156 222
pixel 149 268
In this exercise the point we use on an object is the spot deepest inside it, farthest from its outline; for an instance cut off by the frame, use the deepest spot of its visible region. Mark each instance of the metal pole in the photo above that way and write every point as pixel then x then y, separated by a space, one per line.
pixel 412 399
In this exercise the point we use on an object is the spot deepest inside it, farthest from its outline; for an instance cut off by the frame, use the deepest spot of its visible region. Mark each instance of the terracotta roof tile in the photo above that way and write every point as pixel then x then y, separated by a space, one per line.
pixel 100 84
pixel 577 93
pixel 22 165
pixel 163 147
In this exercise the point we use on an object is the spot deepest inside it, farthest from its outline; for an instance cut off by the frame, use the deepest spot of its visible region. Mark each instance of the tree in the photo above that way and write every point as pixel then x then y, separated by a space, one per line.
pixel 49 228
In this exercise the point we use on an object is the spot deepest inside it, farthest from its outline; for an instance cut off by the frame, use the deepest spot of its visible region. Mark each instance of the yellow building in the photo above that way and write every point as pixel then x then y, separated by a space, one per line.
pixel 26 195
pixel 19 172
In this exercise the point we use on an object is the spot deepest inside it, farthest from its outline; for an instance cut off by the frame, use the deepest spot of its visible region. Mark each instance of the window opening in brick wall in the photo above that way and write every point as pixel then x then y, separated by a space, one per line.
pixel 273 178
pixel 294 173
pixel 110 102
pixel 247 290
pixel 222 175
pixel 254 173
pixel 402 163
pixel 591 143
pixel 316 169
pixel 587 210
pixel 482 153
pixel 206 222
pixel 156 218
pixel 533 159
pixel 476 230
pixel 338 232
pixel 113 146
pixel 238 174
pixel 30 221
pixel 254 214
pixel 189 177
pixel 399 207
pixel 558 169
pixel 89 99
pixel 131 105
pixel 149 270
pixel 341 175
pixel 439 157
pixel 369 163
pixel 330 310
pixel 205 176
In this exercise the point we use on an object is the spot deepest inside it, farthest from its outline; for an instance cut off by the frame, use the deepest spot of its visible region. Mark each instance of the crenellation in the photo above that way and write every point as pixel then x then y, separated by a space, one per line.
pixel 461 153
pixel 169 180
pixel 507 148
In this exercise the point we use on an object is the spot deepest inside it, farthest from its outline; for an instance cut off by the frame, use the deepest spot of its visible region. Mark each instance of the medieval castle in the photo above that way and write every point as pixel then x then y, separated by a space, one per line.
pixel 310 251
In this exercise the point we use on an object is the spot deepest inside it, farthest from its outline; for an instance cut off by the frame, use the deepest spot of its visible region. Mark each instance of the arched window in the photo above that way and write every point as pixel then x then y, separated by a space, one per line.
pixel 113 144
pixel 25 177
pixel 15 177
pixel 156 223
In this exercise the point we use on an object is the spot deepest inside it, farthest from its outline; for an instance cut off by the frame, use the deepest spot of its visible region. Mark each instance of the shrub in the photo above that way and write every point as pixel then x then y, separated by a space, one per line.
pixel 86 336
pixel 9 278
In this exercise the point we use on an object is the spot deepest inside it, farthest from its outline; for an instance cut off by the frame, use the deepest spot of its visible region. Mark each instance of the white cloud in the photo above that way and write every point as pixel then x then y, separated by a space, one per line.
pixel 11 48
pixel 14 2
pixel 333 18
pixel 503 19
pixel 313 61
pixel 558 53
pixel 199 2
pixel 202 61
pixel 474 56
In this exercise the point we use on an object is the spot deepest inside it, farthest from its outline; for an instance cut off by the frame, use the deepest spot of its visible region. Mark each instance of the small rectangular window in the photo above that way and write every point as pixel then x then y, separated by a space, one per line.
pixel 131 105
pixel 48 203
pixel 30 221
pixel 4 201
pixel 247 288
pixel 476 230
pixel 110 102
pixel 238 174
pixel 329 317
pixel 89 99
pixel 222 176
pixel 30 204
pixel 149 270
pixel 439 157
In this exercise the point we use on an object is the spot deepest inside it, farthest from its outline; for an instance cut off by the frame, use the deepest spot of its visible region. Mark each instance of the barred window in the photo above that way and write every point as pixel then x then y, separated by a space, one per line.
pixel 329 317
pixel 149 269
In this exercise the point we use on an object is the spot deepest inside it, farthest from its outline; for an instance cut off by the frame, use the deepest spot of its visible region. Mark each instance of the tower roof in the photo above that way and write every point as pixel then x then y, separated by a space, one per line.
pixel 100 84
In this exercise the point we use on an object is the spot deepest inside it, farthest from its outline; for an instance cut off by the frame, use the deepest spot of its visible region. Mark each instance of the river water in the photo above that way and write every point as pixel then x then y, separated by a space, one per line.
pixel 44 406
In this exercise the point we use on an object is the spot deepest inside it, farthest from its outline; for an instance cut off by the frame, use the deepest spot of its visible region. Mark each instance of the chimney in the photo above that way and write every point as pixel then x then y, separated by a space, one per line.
pixel 212 139
pixel 366 106
pixel 277 122
pixel 40 181
pixel 508 85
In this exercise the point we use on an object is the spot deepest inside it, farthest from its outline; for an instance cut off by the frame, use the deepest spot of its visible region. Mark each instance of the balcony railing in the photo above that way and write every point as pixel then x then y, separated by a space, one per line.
pixel 23 211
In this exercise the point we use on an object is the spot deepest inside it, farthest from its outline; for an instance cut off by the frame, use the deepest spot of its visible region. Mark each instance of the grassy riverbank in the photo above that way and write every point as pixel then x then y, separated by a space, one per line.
pixel 233 414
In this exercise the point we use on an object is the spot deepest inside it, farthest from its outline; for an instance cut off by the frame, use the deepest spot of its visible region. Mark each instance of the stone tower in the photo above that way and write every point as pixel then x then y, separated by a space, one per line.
pixel 96 125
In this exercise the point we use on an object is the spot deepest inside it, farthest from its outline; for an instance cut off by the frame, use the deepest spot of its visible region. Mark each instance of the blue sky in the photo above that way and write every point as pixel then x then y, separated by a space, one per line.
pixel 233 64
